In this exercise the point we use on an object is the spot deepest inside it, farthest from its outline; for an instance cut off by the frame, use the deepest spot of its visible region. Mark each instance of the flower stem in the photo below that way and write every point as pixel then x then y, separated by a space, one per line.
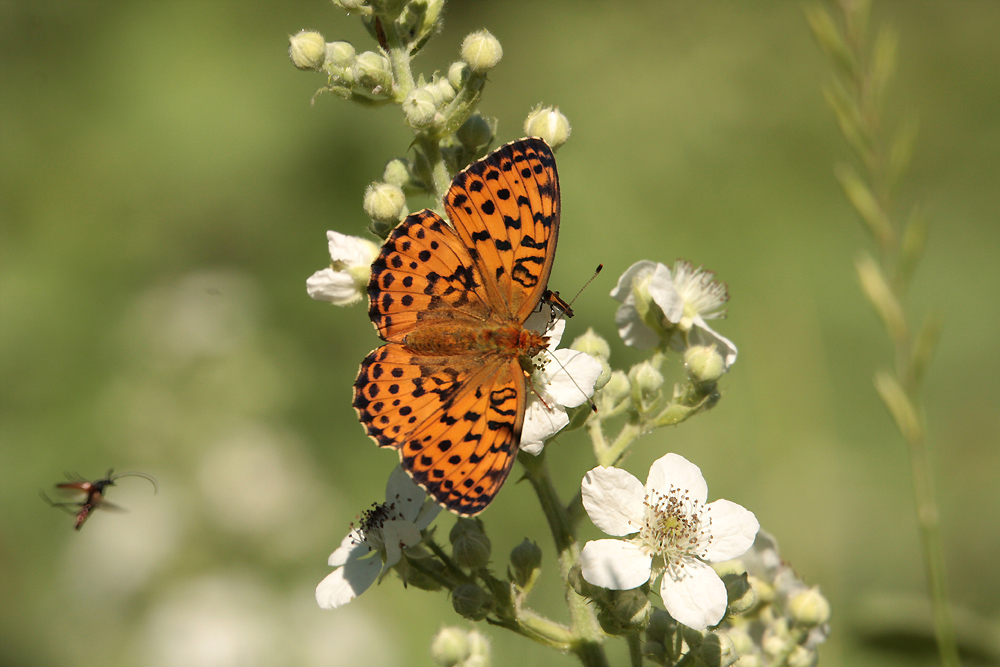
pixel 588 638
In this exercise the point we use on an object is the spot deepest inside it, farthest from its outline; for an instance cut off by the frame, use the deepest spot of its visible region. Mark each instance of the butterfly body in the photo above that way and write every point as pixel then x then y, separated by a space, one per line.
pixel 449 389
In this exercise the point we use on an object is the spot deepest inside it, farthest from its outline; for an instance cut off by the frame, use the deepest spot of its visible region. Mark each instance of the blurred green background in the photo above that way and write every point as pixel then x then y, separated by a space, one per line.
pixel 165 187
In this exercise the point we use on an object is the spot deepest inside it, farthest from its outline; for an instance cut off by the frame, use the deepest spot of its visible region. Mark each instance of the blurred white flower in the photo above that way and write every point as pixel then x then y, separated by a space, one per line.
pixel 656 300
pixel 565 379
pixel 673 531
pixel 377 544
pixel 345 282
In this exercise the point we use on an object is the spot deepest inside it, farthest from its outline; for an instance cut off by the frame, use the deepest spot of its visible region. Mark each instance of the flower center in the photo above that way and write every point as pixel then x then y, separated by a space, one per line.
pixel 698 288
pixel 676 528
pixel 372 521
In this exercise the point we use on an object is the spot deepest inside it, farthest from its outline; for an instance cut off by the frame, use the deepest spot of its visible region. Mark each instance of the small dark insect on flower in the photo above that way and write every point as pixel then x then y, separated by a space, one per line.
pixel 93 494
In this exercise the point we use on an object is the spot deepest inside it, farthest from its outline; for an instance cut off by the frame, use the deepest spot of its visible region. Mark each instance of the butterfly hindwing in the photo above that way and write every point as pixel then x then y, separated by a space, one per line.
pixel 456 421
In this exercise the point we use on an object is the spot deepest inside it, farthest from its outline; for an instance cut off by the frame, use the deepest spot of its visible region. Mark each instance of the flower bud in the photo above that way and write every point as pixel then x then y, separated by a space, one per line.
pixel 397 172
pixel 525 563
pixel 646 378
pixel 475 132
pixel 458 74
pixel 739 592
pixel 481 51
pixel 444 90
pixel 549 124
pixel 661 626
pixel 763 590
pixel 479 648
pixel 385 202
pixel 372 71
pixel 704 363
pixel 470 546
pixel 351 5
pixel 616 388
pixel 419 108
pixel 307 49
pixel 593 344
pixel 450 647
pixel 469 601
pixel 718 650
pixel 800 656
pixel 340 54
pixel 809 608
pixel 742 641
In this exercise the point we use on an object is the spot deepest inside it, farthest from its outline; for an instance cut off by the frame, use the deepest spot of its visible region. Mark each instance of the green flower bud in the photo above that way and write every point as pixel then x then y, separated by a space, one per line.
pixel 419 108
pixel 718 650
pixel 470 546
pixel 470 601
pixel 450 647
pixel 351 5
pixel 307 49
pixel 616 388
pixel 479 648
pixel 475 133
pixel 549 124
pixel 525 563
pixel 809 608
pixel 800 656
pixel 385 202
pixel 372 71
pixel 741 639
pixel 444 90
pixel 481 51
pixel 704 363
pixel 646 378
pixel 740 593
pixel 397 172
pixel 458 74
pixel 340 54
pixel 762 589
pixel 661 626
pixel 593 344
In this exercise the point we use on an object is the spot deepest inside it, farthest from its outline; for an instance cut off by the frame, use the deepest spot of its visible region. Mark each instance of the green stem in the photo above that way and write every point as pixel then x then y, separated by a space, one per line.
pixel 634 649
pixel 588 638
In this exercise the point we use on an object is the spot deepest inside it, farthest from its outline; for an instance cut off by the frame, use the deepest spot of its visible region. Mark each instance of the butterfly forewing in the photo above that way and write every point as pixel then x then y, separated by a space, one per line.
pixel 505 207
pixel 424 273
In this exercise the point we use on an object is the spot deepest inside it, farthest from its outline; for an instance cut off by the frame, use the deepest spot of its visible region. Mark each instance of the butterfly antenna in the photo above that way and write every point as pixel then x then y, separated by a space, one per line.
pixel 557 302
pixel 150 478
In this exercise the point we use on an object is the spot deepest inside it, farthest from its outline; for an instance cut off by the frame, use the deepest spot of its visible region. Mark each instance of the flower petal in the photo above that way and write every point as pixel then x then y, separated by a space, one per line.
pixel 398 534
pixel 540 424
pixel 675 470
pixel 664 294
pixel 351 250
pixel 733 530
pixel 403 494
pixel 337 287
pixel 571 377
pixel 353 546
pixel 623 290
pixel 614 500
pixel 703 334
pixel 697 598
pixel 347 582
pixel 614 564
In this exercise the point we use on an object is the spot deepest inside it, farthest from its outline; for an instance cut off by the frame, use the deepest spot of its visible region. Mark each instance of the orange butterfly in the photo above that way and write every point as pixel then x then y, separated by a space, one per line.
pixel 449 388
